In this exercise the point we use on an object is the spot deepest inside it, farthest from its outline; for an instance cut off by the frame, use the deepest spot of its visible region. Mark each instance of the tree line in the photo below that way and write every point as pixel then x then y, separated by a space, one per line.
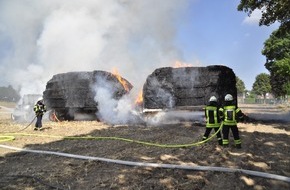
pixel 9 94
pixel 276 48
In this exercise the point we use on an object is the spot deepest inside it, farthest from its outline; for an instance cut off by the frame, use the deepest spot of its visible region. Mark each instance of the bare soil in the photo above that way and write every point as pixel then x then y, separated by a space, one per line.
pixel 265 148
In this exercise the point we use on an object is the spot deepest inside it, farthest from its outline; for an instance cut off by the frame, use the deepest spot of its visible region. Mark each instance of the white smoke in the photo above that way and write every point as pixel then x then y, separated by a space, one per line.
pixel 174 117
pixel 47 37
pixel 110 109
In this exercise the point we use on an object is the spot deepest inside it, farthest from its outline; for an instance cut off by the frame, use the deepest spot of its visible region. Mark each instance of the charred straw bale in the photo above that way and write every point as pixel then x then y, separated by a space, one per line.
pixel 75 91
pixel 168 87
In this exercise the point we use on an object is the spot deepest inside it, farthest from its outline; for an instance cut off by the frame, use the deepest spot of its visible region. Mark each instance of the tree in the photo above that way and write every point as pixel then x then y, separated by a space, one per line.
pixel 280 85
pixel 277 47
pixel 9 94
pixel 277 51
pixel 272 11
pixel 240 86
pixel 262 85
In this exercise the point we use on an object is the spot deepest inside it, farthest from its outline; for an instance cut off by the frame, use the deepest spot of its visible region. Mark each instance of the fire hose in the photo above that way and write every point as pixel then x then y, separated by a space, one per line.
pixel 53 115
pixel 9 136
pixel 156 165
pixel 140 164
pixel 4 138
pixel 28 124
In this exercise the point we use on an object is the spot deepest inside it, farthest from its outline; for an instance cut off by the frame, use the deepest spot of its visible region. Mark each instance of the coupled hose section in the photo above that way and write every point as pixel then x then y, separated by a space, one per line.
pixel 9 137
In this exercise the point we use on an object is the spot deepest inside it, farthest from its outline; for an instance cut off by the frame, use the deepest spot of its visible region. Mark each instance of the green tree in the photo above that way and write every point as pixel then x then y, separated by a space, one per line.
pixel 280 85
pixel 277 51
pixel 272 11
pixel 240 86
pixel 277 47
pixel 262 85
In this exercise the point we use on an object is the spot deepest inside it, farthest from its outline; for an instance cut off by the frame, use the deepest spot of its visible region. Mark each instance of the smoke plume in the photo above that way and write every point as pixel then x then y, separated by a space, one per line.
pixel 112 110
pixel 43 38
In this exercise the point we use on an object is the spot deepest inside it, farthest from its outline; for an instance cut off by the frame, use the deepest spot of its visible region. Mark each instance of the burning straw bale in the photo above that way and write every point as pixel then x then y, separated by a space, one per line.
pixel 74 92
pixel 169 87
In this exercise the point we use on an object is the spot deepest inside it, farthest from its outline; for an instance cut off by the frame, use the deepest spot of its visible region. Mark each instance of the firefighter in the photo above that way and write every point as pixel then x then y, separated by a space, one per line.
pixel 213 120
pixel 39 109
pixel 231 116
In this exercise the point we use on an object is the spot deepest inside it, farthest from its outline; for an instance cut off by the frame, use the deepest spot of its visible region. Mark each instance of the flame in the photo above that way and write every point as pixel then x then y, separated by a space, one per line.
pixel 139 99
pixel 179 64
pixel 120 79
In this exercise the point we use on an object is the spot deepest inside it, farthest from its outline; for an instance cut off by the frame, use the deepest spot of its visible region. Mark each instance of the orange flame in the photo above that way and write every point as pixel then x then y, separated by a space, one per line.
pixel 179 64
pixel 139 99
pixel 120 79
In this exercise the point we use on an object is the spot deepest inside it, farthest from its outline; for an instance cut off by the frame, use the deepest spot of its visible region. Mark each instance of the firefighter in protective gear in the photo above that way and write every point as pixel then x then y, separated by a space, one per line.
pixel 213 120
pixel 231 116
pixel 39 109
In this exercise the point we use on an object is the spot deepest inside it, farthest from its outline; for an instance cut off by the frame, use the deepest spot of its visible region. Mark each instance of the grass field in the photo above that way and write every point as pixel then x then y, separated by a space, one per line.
pixel 265 148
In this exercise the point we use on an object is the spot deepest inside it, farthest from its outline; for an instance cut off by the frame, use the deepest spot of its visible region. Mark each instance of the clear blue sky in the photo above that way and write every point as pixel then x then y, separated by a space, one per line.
pixel 42 38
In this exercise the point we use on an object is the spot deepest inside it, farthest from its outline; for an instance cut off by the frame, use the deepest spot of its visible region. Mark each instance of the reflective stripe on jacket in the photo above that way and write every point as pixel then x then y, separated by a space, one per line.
pixel 230 115
pixel 39 109
pixel 212 116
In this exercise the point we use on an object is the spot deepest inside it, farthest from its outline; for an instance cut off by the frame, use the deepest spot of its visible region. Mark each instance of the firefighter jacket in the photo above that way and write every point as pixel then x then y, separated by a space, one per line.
pixel 232 115
pixel 39 108
pixel 212 116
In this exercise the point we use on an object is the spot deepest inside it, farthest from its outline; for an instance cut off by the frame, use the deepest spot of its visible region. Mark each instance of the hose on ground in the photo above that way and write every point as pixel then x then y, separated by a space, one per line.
pixel 119 138
pixel 156 165
pixel 4 138
pixel 27 125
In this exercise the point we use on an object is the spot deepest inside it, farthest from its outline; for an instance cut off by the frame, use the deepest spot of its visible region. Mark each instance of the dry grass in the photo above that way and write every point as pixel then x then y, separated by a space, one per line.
pixel 265 149
pixel 8 104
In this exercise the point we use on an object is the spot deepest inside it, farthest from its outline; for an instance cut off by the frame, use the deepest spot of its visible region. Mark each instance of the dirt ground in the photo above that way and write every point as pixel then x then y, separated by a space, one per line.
pixel 265 148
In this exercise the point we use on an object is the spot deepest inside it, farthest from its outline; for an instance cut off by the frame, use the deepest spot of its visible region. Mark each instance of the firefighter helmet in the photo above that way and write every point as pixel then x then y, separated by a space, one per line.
pixel 213 99
pixel 229 97
pixel 40 100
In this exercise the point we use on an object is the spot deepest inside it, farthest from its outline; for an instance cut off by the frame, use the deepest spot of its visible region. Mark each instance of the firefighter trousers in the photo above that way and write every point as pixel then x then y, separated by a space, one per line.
pixel 208 130
pixel 218 135
pixel 38 123
pixel 235 131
